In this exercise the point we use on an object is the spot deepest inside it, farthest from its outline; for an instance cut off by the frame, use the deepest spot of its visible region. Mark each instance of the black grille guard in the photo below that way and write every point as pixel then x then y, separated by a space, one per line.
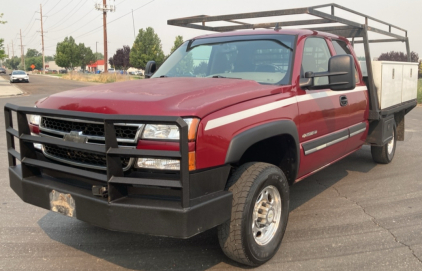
pixel 114 178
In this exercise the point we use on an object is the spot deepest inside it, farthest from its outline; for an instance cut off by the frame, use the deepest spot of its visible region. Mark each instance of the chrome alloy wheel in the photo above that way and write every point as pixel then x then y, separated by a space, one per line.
pixel 266 215
pixel 390 145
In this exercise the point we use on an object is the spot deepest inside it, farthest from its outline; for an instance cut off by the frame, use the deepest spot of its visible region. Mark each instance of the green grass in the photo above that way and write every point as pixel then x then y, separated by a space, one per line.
pixel 420 91
pixel 55 74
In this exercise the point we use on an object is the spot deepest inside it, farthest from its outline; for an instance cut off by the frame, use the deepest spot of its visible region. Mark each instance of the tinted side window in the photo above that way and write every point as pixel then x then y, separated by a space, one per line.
pixel 341 49
pixel 315 58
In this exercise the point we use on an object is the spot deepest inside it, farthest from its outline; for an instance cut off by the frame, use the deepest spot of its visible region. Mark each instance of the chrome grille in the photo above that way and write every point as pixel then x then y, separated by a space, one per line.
pixel 88 128
pixel 126 134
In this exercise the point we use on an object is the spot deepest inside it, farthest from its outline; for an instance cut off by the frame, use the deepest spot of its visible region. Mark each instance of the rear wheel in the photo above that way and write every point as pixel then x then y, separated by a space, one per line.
pixel 260 211
pixel 385 154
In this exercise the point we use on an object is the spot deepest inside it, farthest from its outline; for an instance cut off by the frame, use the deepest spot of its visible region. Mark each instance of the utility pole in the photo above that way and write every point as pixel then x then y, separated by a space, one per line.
pixel 42 42
pixel 104 8
pixel 96 60
pixel 13 50
pixel 22 51
pixel 8 55
pixel 133 21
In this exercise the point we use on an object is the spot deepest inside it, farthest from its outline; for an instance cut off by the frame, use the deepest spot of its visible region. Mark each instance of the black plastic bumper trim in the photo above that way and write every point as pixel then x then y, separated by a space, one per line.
pixel 139 215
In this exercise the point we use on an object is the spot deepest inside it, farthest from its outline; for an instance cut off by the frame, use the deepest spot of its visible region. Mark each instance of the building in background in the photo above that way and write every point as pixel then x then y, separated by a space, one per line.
pixel 96 66
pixel 52 66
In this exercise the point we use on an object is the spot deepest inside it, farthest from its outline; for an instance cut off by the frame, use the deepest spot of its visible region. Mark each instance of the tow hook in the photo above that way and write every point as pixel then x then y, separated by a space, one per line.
pixel 100 191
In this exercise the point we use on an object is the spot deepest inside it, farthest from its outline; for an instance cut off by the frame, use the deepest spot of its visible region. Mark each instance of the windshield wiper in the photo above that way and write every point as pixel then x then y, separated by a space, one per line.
pixel 220 76
pixel 163 76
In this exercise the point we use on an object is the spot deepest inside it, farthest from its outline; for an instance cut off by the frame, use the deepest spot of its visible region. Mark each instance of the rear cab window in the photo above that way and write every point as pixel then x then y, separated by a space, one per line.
pixel 341 49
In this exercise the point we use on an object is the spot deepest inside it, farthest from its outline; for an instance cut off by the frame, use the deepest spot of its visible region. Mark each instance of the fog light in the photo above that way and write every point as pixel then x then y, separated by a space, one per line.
pixel 38 146
pixel 168 164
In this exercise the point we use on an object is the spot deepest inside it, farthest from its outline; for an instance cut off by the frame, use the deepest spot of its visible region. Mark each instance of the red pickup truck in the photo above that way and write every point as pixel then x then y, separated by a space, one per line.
pixel 214 138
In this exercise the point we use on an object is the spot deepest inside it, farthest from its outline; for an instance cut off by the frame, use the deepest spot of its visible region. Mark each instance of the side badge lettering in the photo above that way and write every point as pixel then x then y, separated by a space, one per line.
pixel 310 134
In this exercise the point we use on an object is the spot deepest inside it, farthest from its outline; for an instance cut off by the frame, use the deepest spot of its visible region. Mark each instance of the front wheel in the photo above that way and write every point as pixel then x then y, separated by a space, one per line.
pixel 260 211
pixel 385 154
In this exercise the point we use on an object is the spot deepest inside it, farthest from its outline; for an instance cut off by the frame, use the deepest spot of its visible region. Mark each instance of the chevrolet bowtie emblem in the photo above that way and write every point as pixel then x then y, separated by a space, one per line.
pixel 75 136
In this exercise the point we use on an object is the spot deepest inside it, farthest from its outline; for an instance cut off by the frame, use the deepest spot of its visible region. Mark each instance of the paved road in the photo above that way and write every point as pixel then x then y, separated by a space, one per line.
pixel 40 84
pixel 353 215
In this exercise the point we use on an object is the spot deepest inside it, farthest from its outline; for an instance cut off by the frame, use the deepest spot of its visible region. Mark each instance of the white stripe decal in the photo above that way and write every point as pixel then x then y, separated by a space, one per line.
pixel 248 113
pixel 274 105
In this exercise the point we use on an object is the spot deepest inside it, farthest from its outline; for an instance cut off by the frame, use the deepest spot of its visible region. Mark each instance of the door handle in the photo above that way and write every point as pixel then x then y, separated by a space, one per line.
pixel 343 100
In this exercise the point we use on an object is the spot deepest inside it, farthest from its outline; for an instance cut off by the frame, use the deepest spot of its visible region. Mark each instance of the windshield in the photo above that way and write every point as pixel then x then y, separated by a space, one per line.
pixel 18 73
pixel 266 61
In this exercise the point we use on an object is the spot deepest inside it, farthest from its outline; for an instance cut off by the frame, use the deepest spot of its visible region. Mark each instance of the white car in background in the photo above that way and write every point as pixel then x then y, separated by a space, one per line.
pixel 19 76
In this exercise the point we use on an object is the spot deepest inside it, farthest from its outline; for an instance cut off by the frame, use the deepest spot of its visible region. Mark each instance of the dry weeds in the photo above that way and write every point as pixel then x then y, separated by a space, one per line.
pixel 99 78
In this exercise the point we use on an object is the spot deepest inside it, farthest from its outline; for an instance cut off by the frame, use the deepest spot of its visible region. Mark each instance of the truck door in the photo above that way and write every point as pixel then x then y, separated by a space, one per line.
pixel 322 116
pixel 357 106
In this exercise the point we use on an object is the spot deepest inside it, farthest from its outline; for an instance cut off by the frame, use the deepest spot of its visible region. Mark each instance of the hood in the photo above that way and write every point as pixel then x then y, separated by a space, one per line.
pixel 160 96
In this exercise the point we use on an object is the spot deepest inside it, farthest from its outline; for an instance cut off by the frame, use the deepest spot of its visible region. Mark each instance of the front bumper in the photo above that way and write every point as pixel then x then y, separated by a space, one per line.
pixel 128 214
pixel 179 205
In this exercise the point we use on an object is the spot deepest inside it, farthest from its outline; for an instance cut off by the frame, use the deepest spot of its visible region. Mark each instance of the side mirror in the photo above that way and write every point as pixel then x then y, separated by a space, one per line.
pixel 344 67
pixel 150 68
pixel 341 74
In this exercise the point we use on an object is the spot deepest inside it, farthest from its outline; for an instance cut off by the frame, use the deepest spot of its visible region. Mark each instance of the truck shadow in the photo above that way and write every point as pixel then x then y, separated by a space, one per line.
pixel 201 252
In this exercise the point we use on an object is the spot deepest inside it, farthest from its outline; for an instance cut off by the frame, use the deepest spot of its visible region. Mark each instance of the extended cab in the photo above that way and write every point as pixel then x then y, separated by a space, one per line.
pixel 214 138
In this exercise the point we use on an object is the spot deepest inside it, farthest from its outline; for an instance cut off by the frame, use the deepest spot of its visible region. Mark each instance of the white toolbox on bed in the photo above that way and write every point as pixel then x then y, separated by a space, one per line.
pixel 396 82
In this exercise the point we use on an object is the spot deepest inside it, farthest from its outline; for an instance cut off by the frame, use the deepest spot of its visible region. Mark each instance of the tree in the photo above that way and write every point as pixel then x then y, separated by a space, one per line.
pixel 2 52
pixel 85 55
pixel 201 69
pixel 98 56
pixel 121 58
pixel 67 53
pixel 2 22
pixel 36 60
pixel 32 52
pixel 420 69
pixel 13 63
pixel 177 42
pixel 147 46
pixel 398 56
pixel 48 58
pixel 111 62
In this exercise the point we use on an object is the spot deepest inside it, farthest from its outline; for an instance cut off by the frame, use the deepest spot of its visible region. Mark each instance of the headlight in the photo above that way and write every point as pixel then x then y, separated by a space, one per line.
pixel 34 119
pixel 170 132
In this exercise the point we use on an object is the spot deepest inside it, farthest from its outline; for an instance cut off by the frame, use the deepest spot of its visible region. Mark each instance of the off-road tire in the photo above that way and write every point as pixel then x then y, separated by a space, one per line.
pixel 381 154
pixel 235 235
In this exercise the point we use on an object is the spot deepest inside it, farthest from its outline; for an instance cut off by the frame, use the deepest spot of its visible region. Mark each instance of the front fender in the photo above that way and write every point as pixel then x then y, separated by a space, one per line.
pixel 241 142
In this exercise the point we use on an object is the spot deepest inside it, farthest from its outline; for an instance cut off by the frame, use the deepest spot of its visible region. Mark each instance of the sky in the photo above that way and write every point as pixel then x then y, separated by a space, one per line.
pixel 80 19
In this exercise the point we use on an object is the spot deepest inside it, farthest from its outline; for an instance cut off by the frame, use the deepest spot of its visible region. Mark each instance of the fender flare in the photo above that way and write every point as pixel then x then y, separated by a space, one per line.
pixel 241 142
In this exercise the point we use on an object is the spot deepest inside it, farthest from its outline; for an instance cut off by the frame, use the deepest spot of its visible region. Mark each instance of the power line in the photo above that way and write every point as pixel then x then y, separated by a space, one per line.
pixel 78 28
pixel 130 12
pixel 31 39
pixel 69 15
pixel 31 27
pixel 29 22
pixel 53 7
pixel 61 9
pixel 79 20
pixel 45 2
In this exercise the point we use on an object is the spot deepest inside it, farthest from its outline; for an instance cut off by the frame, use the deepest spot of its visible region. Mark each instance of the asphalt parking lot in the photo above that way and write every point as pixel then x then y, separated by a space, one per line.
pixel 353 215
